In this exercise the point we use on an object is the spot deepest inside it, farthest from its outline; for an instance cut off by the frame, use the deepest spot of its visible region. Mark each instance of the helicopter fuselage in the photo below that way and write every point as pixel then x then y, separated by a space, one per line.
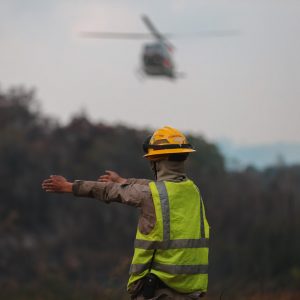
pixel 157 60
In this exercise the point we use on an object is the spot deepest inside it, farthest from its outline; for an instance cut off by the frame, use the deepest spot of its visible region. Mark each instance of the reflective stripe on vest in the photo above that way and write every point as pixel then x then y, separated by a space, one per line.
pixel 171 244
pixel 172 269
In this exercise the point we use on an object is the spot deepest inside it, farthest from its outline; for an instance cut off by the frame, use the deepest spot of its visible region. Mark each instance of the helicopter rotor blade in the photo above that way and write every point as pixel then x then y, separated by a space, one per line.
pixel 152 28
pixel 204 34
pixel 144 36
pixel 161 37
pixel 116 35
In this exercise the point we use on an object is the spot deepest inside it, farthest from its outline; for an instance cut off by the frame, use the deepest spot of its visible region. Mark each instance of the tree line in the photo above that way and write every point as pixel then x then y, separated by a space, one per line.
pixel 61 247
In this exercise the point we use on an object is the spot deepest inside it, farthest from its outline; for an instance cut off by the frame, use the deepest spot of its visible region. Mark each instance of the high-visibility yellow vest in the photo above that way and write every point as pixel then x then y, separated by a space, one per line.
pixel 179 239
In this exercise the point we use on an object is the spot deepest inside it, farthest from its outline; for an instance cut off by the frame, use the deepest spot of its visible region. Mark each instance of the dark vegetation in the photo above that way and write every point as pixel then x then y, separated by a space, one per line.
pixel 61 247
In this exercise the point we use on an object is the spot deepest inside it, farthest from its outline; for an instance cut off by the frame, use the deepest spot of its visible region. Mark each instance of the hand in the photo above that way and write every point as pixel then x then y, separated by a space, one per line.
pixel 57 184
pixel 111 176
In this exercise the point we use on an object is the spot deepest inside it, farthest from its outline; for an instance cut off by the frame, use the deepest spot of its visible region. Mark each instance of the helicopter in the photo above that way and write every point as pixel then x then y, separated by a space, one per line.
pixel 157 57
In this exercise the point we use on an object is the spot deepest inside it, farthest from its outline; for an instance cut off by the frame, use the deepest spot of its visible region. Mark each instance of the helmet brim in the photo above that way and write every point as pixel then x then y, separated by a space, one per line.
pixel 167 151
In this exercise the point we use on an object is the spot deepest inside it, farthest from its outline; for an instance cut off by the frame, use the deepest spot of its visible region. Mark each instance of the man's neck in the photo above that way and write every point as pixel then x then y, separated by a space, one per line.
pixel 170 171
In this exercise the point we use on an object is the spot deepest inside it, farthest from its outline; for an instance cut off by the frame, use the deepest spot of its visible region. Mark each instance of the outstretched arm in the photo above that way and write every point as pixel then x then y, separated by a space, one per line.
pixel 57 184
pixel 130 194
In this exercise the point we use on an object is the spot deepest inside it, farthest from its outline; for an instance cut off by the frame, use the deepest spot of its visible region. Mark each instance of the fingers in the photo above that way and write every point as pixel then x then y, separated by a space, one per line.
pixel 103 178
pixel 51 179
pixel 47 186
pixel 50 191
pixel 108 177
pixel 52 184
pixel 47 181
pixel 58 178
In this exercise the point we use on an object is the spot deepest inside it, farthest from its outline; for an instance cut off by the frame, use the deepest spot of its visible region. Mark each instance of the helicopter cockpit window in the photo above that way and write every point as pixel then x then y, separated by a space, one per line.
pixel 154 49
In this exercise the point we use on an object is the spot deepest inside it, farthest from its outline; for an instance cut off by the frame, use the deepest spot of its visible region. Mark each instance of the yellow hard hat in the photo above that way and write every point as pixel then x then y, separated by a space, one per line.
pixel 164 141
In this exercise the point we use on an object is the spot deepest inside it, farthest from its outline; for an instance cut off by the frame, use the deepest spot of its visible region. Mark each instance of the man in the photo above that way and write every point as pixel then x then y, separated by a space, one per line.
pixel 170 259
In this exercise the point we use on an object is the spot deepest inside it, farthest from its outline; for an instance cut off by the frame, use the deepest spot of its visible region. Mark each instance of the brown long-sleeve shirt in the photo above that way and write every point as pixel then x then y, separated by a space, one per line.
pixel 134 192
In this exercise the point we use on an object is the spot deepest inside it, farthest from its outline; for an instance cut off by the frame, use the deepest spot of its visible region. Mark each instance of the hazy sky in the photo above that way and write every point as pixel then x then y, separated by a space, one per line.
pixel 243 87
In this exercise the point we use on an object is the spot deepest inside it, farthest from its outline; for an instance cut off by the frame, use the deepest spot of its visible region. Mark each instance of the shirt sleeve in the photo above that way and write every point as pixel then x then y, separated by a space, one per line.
pixel 132 194
pixel 138 181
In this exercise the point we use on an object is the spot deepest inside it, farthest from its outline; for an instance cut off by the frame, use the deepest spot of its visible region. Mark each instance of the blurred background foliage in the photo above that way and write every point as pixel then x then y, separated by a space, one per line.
pixel 61 247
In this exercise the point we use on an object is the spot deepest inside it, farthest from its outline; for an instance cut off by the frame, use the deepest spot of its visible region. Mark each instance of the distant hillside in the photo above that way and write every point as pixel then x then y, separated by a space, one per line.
pixel 259 156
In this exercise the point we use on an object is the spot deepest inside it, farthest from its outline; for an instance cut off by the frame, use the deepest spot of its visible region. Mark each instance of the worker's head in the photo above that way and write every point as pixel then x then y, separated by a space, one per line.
pixel 167 143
